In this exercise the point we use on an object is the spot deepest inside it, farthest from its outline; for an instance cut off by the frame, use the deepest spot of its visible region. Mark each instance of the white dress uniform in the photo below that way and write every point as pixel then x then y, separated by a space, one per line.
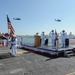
pixel 14 47
pixel 36 34
pixel 19 41
pixel 52 34
pixel 63 37
pixel 5 42
pixel 42 39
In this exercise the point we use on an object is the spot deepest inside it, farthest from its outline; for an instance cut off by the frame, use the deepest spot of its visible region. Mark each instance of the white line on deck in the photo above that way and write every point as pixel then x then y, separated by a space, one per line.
pixel 73 73
pixel 16 71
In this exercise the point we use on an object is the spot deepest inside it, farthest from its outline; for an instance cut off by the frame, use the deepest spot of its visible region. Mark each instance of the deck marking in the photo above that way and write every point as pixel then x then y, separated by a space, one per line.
pixel 16 71
pixel 73 73
pixel 3 54
pixel 21 52
pixel 1 64
pixel 18 52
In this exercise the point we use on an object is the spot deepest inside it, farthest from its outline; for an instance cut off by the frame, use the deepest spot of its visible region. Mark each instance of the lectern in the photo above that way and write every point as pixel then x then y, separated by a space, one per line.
pixel 37 40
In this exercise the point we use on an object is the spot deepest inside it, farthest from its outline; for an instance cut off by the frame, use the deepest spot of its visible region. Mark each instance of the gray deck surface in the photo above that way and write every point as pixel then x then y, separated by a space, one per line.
pixel 59 49
pixel 35 64
pixel 51 48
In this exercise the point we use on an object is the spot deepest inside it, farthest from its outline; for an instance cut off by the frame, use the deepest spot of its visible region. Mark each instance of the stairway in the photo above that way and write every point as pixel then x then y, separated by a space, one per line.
pixel 69 53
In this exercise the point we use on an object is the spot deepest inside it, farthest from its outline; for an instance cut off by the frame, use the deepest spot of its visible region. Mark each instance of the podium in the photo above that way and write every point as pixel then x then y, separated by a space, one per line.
pixel 37 40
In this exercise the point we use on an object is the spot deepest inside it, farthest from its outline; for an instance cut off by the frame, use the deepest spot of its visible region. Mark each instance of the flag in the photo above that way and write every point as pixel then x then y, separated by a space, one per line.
pixel 55 32
pixel 56 35
pixel 10 26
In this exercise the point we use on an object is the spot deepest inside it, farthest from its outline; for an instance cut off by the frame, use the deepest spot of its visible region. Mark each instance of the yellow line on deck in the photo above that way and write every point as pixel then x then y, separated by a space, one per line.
pixel 18 52
pixel 21 52
pixel 73 73
pixel 3 54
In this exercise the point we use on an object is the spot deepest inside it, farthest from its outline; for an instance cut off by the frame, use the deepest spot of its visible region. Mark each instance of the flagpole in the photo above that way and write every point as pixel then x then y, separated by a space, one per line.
pixel 7 28
pixel 7 22
pixel 10 27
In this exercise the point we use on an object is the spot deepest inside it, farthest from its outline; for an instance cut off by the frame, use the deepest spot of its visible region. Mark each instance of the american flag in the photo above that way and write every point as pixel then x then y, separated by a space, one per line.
pixel 56 35
pixel 10 26
pixel 55 32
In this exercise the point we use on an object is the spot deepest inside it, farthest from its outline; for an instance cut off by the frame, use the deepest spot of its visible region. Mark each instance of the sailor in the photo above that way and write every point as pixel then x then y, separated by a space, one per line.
pixel 56 40
pixel 63 37
pixel 4 42
pixel 36 34
pixel 13 45
pixel 42 39
pixel 18 41
pixel 52 35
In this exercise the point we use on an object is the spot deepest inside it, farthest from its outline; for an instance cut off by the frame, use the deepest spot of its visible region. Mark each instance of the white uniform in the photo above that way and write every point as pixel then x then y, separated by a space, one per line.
pixel 14 47
pixel 36 34
pixel 52 34
pixel 63 37
pixel 42 39
pixel 18 41
pixel 5 42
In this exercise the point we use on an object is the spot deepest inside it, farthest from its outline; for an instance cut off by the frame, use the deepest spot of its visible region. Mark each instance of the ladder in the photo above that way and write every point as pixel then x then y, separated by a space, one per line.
pixel 68 53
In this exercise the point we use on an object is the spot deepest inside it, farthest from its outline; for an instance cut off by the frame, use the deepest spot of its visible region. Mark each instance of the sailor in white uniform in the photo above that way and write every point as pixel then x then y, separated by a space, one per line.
pixel 19 41
pixel 4 42
pixel 63 37
pixel 36 34
pixel 13 45
pixel 52 35
pixel 42 39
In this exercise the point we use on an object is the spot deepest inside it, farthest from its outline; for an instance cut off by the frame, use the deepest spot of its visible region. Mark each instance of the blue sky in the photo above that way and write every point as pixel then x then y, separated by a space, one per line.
pixel 38 16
